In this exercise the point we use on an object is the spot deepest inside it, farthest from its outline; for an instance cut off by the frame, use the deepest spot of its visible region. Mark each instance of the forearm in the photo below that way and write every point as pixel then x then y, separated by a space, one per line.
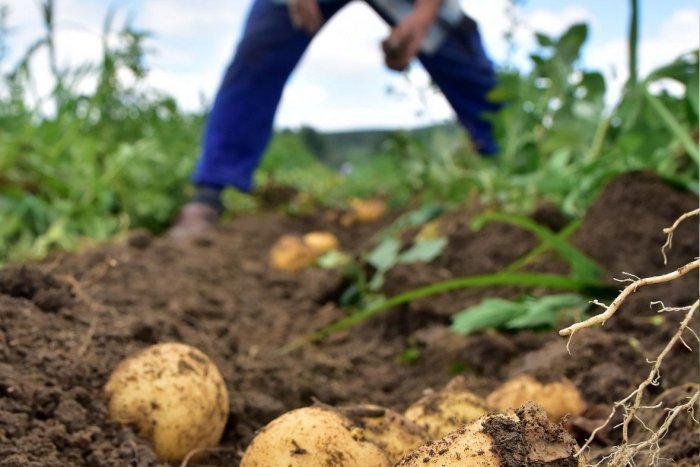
pixel 428 9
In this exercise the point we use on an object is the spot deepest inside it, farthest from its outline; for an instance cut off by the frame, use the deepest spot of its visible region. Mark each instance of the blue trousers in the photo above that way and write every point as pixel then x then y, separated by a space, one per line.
pixel 240 122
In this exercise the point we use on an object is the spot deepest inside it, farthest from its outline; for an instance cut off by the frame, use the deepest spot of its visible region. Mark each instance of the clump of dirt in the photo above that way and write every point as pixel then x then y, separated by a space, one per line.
pixel 531 439
pixel 65 323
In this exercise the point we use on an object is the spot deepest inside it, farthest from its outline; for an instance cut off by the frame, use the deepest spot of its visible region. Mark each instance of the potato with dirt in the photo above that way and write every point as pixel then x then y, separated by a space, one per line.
pixel 444 411
pixel 392 432
pixel 315 436
pixel 525 437
pixel 558 398
pixel 174 395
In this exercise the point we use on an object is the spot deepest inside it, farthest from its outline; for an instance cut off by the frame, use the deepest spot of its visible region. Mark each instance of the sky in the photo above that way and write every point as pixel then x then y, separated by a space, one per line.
pixel 341 82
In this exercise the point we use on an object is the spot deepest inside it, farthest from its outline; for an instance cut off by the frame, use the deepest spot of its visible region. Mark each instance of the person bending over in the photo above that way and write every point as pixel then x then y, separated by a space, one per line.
pixel 277 32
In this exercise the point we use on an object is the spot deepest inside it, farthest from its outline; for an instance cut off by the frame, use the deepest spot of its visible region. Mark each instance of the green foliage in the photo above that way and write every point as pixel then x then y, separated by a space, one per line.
pixel 528 312
pixel 560 143
pixel 88 165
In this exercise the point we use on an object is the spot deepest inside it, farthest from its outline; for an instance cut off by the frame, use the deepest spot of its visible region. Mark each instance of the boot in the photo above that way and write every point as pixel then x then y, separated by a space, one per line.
pixel 194 220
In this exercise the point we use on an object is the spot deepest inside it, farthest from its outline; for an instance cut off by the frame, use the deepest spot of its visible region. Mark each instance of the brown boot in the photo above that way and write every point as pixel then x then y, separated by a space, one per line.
pixel 194 220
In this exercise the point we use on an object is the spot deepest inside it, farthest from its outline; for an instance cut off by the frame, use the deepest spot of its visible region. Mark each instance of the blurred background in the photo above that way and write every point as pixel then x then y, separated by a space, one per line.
pixel 191 43
pixel 102 106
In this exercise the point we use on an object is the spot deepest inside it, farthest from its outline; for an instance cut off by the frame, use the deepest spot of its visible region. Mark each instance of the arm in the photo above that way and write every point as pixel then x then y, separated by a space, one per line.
pixel 406 38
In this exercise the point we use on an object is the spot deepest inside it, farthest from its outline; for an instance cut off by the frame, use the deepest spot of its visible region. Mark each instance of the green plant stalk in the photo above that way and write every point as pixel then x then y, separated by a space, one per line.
pixel 582 265
pixel 542 248
pixel 501 278
pixel 633 42
pixel 598 139
pixel 673 125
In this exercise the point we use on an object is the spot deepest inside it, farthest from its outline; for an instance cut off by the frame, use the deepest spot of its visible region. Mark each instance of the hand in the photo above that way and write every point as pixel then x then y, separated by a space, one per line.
pixel 405 41
pixel 306 15
pixel 406 38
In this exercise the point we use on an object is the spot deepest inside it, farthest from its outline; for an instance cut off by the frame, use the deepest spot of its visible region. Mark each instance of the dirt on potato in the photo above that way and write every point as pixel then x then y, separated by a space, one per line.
pixel 67 321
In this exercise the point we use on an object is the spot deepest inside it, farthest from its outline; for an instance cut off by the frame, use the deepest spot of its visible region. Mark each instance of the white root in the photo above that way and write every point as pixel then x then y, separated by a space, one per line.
pixel 624 454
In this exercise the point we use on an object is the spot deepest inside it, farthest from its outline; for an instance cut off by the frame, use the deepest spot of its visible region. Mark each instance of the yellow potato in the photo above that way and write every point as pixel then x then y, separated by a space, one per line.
pixel 467 446
pixel 321 242
pixel 174 395
pixel 290 253
pixel 523 437
pixel 363 211
pixel 559 398
pixel 445 411
pixel 391 431
pixel 312 437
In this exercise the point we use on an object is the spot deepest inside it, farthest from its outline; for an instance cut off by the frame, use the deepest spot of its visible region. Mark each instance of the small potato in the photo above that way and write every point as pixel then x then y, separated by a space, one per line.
pixel 312 437
pixel 445 411
pixel 391 431
pixel 321 242
pixel 174 395
pixel 364 211
pixel 290 253
pixel 558 398
pixel 523 437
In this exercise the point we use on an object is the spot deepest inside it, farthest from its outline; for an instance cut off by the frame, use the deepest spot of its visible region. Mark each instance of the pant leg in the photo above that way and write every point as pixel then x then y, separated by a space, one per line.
pixel 239 125
pixel 465 75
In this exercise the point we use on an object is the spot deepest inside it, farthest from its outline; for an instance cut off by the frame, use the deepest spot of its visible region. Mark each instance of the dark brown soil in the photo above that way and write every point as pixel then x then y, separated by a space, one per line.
pixel 65 323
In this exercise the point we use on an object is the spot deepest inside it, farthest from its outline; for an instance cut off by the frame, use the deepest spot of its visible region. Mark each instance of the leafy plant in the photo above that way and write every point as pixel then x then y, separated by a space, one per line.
pixel 528 312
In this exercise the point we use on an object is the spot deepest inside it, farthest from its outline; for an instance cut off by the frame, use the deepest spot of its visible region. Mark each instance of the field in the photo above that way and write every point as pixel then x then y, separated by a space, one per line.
pixel 464 280
pixel 68 320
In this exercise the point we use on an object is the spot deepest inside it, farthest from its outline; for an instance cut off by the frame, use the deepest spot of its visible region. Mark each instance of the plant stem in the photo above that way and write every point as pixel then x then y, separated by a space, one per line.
pixel 501 278
pixel 632 42
pixel 673 125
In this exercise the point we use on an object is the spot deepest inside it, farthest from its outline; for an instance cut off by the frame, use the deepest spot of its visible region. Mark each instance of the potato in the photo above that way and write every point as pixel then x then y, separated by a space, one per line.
pixel 321 242
pixel 525 437
pixel 312 437
pixel 363 211
pixel 174 395
pixel 559 398
pixel 445 411
pixel 290 253
pixel 294 252
pixel 391 431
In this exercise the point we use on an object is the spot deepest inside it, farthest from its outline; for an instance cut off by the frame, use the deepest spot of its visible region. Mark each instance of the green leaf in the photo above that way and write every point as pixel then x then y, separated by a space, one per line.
pixel 385 254
pixel 333 259
pixel 497 313
pixel 547 311
pixel 594 83
pixel 424 251
pixel 543 39
pixel 569 44
pixel 490 313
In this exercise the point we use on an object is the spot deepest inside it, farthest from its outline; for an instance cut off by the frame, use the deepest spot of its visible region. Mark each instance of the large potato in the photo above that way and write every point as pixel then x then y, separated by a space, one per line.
pixel 174 395
pixel 445 411
pixel 558 398
pixel 525 437
pixel 392 432
pixel 312 437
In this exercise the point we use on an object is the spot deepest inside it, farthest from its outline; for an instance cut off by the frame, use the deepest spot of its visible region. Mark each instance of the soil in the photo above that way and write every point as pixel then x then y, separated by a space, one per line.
pixel 67 321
